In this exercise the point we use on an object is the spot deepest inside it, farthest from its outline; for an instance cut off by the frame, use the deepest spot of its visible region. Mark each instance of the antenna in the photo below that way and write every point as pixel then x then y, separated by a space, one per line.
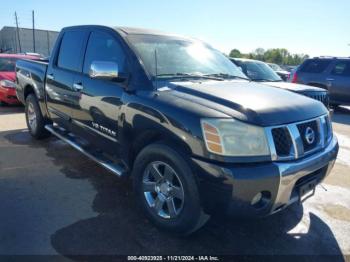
pixel 156 64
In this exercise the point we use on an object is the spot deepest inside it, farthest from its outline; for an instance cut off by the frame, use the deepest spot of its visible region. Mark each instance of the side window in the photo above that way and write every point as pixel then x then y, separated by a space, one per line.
pixel 103 47
pixel 341 68
pixel 315 66
pixel 69 56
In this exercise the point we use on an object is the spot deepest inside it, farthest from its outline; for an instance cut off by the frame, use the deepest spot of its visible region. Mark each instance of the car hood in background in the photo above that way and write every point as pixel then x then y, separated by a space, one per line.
pixel 248 101
pixel 299 88
pixel 282 72
pixel 8 76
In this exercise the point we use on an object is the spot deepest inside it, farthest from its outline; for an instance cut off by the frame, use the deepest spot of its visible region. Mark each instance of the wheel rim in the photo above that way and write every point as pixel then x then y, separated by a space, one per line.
pixel 31 117
pixel 163 190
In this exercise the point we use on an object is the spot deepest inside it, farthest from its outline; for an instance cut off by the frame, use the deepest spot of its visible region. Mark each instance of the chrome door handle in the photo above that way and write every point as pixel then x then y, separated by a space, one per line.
pixel 50 76
pixel 78 86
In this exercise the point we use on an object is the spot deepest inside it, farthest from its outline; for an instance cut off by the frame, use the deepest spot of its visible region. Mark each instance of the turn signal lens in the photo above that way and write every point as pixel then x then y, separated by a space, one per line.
pixel 212 138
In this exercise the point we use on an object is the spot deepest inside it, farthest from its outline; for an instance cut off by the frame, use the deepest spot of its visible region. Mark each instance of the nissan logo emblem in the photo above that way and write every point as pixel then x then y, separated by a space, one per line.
pixel 309 135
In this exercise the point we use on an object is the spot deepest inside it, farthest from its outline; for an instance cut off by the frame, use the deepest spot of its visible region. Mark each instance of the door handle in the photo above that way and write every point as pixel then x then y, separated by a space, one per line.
pixel 329 79
pixel 50 76
pixel 78 86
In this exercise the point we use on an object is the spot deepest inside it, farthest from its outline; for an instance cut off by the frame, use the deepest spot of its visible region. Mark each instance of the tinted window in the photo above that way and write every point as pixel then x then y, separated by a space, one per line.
pixel 103 47
pixel 341 68
pixel 7 64
pixel 69 56
pixel 315 66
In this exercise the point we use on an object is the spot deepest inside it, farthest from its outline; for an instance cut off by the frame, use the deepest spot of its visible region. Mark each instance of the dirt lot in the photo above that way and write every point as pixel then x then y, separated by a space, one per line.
pixel 56 201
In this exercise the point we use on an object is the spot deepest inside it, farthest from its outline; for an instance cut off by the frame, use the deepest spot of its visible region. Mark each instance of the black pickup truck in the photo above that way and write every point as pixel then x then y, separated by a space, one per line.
pixel 181 120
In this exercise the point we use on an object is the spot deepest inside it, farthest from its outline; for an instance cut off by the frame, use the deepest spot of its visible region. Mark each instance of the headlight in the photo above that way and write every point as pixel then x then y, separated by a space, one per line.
pixel 229 137
pixel 7 83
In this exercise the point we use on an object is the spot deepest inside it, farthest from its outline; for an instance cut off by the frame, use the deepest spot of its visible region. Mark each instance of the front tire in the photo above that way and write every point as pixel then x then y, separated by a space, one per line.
pixel 166 189
pixel 35 120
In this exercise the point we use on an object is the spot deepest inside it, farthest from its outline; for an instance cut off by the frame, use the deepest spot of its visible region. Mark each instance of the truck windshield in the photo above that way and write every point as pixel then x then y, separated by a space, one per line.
pixel 176 57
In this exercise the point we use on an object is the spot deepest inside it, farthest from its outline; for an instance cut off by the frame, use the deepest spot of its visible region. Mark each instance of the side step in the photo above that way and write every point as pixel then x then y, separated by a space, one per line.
pixel 93 155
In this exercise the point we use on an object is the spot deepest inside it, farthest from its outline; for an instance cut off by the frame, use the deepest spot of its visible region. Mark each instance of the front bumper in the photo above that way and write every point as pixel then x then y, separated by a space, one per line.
pixel 232 188
pixel 8 95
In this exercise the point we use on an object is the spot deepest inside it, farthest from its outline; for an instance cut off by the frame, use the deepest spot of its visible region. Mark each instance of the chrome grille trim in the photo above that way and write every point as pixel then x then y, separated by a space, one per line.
pixel 297 151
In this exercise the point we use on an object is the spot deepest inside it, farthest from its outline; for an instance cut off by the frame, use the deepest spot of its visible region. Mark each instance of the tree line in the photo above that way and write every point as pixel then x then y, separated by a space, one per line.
pixel 279 56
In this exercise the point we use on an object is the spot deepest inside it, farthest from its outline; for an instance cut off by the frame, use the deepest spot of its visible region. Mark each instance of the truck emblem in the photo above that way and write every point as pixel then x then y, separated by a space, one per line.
pixel 309 135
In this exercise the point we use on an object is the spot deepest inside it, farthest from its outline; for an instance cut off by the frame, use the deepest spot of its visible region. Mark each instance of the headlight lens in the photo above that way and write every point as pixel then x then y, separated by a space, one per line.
pixel 230 137
pixel 7 83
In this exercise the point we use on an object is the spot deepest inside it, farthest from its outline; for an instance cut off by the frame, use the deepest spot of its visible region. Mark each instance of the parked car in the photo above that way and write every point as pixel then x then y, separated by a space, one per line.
pixel 329 73
pixel 7 77
pixel 260 72
pixel 181 120
pixel 279 71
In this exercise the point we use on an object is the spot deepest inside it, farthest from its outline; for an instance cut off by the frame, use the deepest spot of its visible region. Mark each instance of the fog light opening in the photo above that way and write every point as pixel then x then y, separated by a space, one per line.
pixel 256 199
pixel 261 199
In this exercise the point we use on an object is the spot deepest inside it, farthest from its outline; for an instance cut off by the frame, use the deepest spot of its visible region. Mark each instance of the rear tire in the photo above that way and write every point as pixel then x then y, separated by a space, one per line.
pixel 35 120
pixel 171 202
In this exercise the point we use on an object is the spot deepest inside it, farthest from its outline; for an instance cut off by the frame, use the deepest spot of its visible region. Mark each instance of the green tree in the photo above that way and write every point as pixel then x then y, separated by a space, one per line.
pixel 235 53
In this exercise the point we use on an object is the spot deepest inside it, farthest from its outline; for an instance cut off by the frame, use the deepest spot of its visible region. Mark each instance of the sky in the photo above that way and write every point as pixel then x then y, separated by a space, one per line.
pixel 313 27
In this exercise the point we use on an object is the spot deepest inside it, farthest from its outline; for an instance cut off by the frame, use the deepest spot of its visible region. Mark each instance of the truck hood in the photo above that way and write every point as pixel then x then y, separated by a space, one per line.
pixel 250 102
pixel 298 88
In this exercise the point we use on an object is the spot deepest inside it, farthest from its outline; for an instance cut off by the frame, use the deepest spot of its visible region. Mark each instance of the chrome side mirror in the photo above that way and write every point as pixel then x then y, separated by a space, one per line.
pixel 104 70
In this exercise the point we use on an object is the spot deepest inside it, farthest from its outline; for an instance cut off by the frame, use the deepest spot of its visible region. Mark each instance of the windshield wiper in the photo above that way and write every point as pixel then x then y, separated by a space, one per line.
pixel 187 75
pixel 227 76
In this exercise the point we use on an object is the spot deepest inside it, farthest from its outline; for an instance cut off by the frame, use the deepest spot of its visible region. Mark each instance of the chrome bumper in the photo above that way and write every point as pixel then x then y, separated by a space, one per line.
pixel 291 172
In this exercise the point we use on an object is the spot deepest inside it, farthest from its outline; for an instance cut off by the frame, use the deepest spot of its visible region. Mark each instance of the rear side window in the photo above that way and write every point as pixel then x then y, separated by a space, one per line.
pixel 341 68
pixel 103 47
pixel 315 66
pixel 69 56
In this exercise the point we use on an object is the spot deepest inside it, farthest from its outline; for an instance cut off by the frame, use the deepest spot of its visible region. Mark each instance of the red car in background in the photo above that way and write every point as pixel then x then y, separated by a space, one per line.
pixel 8 77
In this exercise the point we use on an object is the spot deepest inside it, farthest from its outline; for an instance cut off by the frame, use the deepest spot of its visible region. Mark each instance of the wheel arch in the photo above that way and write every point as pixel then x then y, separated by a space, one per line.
pixel 151 136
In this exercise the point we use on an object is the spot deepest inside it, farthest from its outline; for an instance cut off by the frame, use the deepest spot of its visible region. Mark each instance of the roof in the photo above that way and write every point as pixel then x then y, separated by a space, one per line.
pixel 329 57
pixel 25 28
pixel 140 31
pixel 246 60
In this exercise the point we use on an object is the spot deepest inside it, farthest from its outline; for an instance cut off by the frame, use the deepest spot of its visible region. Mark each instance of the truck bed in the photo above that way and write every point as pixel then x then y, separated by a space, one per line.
pixel 30 73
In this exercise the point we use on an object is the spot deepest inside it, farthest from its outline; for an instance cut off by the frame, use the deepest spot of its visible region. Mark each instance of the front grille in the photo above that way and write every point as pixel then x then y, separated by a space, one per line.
pixel 312 127
pixel 282 140
pixel 323 97
pixel 295 140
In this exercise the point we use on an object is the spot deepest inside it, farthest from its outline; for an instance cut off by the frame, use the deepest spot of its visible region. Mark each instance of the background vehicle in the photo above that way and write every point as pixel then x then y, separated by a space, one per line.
pixel 279 71
pixel 179 118
pixel 260 72
pixel 7 77
pixel 330 73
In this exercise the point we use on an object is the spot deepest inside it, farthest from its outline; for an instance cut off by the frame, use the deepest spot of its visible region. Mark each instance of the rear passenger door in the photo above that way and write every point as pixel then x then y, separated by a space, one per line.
pixel 98 103
pixel 61 73
pixel 339 81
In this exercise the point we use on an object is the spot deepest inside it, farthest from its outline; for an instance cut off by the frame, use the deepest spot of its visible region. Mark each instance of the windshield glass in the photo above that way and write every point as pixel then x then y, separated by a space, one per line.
pixel 259 71
pixel 275 67
pixel 7 64
pixel 181 57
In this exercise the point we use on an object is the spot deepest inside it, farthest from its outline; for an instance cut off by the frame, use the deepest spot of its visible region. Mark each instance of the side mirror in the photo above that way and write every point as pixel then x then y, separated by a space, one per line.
pixel 104 70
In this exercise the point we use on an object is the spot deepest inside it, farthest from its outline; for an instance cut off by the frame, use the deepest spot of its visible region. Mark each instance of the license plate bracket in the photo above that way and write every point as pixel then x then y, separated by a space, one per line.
pixel 307 190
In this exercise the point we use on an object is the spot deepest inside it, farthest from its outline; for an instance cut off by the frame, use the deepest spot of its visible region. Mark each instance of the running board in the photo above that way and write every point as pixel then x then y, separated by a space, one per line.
pixel 95 156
